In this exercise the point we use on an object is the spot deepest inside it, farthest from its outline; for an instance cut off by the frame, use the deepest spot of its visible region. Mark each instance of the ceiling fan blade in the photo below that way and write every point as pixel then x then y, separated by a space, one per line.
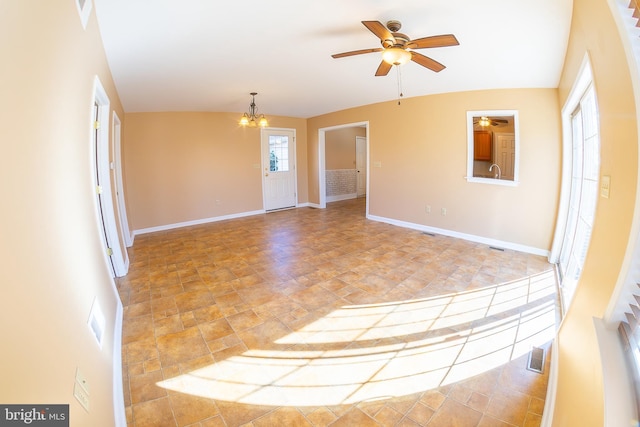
pixel 383 69
pixel 378 28
pixel 356 52
pixel 443 40
pixel 427 62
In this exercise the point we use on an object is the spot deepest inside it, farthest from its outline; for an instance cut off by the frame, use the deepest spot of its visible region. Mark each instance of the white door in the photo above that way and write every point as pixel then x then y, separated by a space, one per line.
pixel 505 153
pixel 102 182
pixel 361 166
pixel 279 169
pixel 117 167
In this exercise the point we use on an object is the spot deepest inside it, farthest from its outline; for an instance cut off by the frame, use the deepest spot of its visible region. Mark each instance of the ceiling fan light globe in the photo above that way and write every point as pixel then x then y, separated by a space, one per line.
pixel 484 122
pixel 396 56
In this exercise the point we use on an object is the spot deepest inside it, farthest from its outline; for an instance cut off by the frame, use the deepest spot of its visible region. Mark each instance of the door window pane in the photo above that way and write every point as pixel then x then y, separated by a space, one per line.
pixel 278 153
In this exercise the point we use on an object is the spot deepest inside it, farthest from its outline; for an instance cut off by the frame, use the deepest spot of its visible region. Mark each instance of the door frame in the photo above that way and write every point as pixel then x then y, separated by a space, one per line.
pixel 117 167
pixel 105 212
pixel 99 164
pixel 293 161
pixel 322 178
pixel 360 138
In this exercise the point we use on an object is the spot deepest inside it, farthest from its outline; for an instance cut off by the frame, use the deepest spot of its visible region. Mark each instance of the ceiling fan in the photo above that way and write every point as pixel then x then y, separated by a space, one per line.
pixel 490 121
pixel 397 48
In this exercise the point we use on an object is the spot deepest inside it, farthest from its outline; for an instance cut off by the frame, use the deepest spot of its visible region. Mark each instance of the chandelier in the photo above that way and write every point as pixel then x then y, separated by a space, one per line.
pixel 251 118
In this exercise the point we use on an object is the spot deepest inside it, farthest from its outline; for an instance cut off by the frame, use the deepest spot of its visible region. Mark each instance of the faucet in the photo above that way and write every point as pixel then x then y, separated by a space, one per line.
pixel 499 171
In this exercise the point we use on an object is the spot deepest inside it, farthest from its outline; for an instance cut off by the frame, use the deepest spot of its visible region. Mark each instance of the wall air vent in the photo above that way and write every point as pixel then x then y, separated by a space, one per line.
pixel 536 360
pixel 96 322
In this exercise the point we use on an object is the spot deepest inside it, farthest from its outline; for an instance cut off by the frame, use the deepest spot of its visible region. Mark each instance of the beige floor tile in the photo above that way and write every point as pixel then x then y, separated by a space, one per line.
pixel 357 322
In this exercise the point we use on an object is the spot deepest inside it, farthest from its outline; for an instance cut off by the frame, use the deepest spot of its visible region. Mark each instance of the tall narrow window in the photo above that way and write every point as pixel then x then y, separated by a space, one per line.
pixel 585 169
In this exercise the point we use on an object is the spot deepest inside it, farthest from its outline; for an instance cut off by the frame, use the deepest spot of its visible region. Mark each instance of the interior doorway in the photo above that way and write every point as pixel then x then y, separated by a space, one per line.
pixel 322 162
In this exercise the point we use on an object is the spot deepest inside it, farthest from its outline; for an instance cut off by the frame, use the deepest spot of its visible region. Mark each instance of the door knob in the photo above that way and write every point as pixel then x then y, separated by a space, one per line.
pixel 266 174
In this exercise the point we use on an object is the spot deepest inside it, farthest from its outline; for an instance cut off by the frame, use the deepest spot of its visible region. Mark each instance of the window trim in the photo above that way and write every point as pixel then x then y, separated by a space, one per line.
pixel 470 148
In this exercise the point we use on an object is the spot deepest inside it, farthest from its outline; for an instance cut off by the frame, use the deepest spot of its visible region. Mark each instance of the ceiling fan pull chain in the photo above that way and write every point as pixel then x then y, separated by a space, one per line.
pixel 400 95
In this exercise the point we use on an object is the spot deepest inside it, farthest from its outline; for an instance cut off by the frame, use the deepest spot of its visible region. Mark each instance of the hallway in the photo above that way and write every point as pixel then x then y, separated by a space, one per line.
pixel 310 317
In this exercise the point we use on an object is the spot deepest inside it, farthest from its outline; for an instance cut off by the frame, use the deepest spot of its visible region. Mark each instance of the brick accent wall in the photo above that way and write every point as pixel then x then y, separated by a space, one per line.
pixel 341 182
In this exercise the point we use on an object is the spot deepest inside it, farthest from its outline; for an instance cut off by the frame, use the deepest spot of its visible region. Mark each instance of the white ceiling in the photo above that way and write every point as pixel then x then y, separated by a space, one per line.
pixel 206 55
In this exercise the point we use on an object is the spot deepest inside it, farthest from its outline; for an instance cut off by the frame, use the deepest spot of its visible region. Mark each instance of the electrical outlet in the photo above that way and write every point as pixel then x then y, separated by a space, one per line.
pixel 443 211
pixel 427 209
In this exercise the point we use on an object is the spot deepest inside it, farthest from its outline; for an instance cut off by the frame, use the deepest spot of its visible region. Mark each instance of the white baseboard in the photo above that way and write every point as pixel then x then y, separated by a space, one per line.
pixel 552 387
pixel 470 237
pixel 473 238
pixel 196 222
pixel 339 197
pixel 118 390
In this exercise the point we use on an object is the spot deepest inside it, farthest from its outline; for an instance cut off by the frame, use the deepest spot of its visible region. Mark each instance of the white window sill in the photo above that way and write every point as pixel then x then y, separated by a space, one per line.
pixel 492 181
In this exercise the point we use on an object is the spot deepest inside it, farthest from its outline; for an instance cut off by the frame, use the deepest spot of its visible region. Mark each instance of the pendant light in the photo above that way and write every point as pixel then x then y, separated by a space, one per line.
pixel 251 118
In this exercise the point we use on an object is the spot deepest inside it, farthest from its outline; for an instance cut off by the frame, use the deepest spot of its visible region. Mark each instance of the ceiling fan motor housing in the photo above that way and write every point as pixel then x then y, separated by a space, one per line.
pixel 394 26
pixel 399 39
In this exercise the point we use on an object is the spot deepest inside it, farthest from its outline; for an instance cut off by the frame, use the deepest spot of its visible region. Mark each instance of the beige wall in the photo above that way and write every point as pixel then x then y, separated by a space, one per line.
pixel 191 166
pixel 54 264
pixel 580 389
pixel 425 164
pixel 173 177
pixel 340 148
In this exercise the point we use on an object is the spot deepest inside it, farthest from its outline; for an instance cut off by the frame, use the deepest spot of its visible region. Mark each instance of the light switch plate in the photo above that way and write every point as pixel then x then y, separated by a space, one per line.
pixel 605 186
pixel 81 395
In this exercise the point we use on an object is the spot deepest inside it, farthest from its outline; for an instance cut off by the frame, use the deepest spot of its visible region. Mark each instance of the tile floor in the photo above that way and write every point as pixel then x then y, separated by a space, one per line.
pixel 311 317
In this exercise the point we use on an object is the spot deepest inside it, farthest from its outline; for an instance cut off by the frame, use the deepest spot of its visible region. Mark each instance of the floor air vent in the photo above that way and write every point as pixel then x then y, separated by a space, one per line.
pixel 428 234
pixel 536 360
pixel 496 249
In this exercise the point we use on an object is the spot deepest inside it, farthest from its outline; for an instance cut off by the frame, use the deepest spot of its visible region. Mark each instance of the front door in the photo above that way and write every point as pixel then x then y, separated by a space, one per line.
pixel 279 169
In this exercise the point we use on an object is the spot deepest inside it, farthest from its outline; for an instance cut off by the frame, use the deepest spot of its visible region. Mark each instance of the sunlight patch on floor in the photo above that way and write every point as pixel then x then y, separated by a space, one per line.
pixel 372 352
